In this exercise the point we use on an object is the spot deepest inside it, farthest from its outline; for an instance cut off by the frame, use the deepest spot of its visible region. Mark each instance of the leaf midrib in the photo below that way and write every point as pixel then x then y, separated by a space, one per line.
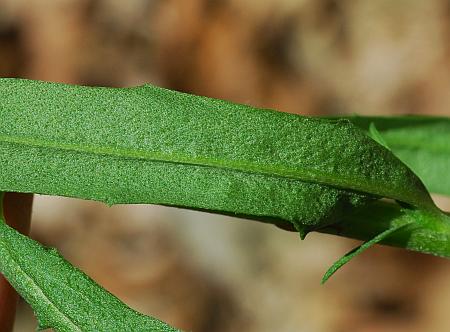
pixel 312 176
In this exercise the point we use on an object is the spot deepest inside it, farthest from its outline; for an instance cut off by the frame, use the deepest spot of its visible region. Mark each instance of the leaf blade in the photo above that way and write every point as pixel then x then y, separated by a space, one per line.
pixel 63 297
pixel 151 145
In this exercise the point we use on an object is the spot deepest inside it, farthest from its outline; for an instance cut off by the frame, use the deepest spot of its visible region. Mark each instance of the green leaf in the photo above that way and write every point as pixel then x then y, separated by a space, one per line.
pixel 62 296
pixel 151 145
pixel 360 249
pixel 422 143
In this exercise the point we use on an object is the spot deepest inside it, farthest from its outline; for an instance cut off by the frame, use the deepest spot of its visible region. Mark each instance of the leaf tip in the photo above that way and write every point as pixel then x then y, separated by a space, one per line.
pixel 376 136
pixel 303 232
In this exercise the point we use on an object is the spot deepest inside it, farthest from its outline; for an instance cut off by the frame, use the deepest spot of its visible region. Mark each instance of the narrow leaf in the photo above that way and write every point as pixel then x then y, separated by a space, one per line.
pixel 422 143
pixel 63 297
pixel 360 249
pixel 151 145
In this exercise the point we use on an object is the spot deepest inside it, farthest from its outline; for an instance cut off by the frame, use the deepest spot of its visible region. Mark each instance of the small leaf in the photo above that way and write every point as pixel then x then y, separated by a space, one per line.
pixel 360 249
pixel 63 297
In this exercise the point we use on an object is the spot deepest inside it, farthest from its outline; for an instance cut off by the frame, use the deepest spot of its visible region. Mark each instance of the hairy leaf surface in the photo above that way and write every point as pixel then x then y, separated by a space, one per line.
pixel 151 145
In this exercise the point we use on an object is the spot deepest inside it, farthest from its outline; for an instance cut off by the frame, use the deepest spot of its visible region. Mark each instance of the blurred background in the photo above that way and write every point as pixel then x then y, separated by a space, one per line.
pixel 207 273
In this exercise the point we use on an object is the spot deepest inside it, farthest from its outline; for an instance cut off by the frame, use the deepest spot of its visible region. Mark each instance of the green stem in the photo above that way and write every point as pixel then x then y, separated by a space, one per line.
pixel 428 232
